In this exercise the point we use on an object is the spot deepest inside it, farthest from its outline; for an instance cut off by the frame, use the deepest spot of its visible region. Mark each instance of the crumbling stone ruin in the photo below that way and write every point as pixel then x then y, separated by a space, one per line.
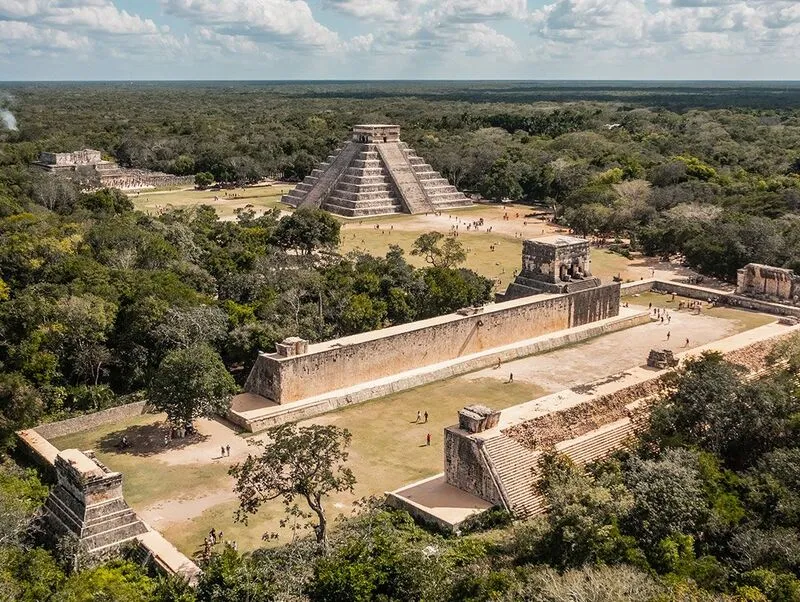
pixel 107 173
pixel 477 418
pixel 375 173
pixel 554 264
pixel 661 359
pixel 767 282
pixel 87 503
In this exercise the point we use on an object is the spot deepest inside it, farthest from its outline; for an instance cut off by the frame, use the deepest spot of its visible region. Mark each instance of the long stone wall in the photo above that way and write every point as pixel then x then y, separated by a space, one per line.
pixel 51 430
pixel 585 431
pixel 362 358
pixel 416 378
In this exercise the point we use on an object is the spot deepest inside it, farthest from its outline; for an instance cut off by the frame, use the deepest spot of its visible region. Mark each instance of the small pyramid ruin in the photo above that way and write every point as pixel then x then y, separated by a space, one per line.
pixel 87 503
pixel 375 173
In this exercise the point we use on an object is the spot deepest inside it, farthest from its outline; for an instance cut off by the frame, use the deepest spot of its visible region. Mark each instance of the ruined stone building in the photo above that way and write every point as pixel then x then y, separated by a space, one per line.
pixel 107 173
pixel 87 503
pixel 553 264
pixel 767 282
pixel 375 173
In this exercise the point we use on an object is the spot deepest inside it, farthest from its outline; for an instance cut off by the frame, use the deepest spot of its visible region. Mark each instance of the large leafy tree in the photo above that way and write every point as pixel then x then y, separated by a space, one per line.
pixel 298 461
pixel 307 230
pixel 438 250
pixel 191 383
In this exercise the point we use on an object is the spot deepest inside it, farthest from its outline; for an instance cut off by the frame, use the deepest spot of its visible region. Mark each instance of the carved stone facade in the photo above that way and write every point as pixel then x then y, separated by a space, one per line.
pixel 554 264
pixel 767 282
pixel 87 503
pixel 375 173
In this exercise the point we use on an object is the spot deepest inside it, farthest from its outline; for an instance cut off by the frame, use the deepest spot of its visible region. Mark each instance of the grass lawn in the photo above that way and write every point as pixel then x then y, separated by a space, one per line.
pixel 261 197
pixel 146 478
pixel 388 450
pixel 741 318
pixel 499 264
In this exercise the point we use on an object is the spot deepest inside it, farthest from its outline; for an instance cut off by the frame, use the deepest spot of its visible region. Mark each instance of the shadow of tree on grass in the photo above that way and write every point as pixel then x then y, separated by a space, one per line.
pixel 146 440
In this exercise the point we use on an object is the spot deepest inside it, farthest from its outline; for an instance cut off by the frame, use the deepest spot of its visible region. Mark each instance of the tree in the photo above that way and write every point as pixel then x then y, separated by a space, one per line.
pixel 439 254
pixel 502 182
pixel 299 461
pixel 588 219
pixel 191 383
pixel 306 230
pixel 203 179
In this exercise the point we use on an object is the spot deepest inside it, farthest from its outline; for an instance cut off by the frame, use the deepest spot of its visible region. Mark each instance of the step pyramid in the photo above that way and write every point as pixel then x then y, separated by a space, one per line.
pixel 375 173
pixel 87 503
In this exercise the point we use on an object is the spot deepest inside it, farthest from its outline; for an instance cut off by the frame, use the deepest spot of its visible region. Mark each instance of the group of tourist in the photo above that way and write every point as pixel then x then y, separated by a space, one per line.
pixel 213 538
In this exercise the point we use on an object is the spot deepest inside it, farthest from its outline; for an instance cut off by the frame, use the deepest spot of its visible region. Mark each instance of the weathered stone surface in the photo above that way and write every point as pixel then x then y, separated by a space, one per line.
pixel 767 282
pixel 360 358
pixel 109 173
pixel 661 358
pixel 554 264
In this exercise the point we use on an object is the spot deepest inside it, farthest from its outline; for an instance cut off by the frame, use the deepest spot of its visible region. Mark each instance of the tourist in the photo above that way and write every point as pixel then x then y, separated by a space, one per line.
pixel 669 333
pixel 419 416
pixel 426 416
pixel 687 342
pixel 219 537
pixel 166 440
pixel 221 450
pixel 669 319
pixel 228 450
pixel 511 377
pixel 428 439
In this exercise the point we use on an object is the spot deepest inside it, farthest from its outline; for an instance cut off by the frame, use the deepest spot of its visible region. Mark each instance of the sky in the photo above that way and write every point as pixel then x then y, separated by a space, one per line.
pixel 399 39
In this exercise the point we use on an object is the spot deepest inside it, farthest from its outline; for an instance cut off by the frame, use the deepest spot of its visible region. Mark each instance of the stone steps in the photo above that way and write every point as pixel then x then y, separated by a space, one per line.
pixel 404 178
pixel 516 467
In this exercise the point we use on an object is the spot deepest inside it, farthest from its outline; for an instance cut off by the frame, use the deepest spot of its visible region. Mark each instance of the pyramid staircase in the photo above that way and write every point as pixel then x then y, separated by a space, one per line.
pixel 375 178
pixel 517 467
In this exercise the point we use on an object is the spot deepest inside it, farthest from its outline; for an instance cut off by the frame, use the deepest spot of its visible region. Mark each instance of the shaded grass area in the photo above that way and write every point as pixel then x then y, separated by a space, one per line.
pixel 741 318
pixel 145 477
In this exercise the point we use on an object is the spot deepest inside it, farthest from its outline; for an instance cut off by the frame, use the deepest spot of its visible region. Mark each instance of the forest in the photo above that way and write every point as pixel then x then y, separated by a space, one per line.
pixel 98 300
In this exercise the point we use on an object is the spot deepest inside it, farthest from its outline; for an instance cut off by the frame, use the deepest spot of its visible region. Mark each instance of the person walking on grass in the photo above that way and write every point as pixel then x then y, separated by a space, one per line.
pixel 426 416
pixel 428 440
pixel 419 417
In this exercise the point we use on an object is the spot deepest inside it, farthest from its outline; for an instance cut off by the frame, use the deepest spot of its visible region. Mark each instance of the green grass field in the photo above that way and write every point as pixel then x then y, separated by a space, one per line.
pixel 260 197
pixel 388 451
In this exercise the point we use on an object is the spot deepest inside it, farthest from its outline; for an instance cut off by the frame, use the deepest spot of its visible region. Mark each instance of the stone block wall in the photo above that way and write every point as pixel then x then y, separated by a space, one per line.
pixel 466 466
pixel 51 430
pixel 768 281
pixel 360 359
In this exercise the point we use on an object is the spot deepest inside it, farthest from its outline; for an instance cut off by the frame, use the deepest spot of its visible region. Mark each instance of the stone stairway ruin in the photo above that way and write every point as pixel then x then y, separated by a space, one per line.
pixel 87 503
pixel 375 174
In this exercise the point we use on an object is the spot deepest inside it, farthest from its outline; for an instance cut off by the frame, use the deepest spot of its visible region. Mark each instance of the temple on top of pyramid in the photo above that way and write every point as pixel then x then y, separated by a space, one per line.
pixel 375 173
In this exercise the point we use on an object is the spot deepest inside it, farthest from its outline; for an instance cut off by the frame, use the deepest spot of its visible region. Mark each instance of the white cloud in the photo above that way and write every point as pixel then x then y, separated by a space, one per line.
pixel 287 23
pixel 18 37
pixel 667 28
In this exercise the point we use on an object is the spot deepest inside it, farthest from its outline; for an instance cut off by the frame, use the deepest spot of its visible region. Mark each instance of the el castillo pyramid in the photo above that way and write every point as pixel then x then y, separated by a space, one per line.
pixel 375 173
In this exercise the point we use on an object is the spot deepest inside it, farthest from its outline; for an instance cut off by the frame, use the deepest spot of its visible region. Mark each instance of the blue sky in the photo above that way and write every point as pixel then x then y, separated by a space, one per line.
pixel 399 39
